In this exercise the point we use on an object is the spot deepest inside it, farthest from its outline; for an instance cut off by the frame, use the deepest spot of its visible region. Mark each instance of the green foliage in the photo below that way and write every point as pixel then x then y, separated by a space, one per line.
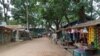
pixel 19 12
pixel 55 10
pixel 52 12
pixel 13 22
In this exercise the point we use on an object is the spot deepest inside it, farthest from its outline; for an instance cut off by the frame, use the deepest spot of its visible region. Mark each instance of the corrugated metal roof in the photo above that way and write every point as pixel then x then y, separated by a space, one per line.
pixel 89 23
pixel 14 26
pixel 3 27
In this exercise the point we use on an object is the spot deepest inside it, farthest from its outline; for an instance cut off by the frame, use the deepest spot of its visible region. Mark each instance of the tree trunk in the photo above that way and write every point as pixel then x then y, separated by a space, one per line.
pixel 67 19
pixel 27 23
pixel 57 23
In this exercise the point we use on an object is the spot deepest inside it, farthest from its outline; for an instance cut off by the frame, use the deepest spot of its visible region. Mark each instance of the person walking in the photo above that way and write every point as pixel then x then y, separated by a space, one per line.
pixel 54 37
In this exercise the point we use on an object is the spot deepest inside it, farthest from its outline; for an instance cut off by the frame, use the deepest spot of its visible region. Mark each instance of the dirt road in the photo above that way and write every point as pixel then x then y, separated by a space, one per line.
pixel 37 47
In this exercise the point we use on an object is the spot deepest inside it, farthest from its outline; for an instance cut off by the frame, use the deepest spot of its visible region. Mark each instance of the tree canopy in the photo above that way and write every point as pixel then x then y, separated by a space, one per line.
pixel 52 14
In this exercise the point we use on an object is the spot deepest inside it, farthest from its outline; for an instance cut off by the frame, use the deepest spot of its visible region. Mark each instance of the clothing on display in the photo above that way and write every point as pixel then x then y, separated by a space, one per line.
pixel 91 35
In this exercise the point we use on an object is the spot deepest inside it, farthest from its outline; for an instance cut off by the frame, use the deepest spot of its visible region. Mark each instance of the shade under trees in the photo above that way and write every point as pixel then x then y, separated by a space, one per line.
pixel 52 14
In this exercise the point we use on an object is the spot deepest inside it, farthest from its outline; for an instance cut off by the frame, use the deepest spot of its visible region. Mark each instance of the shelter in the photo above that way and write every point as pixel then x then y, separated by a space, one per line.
pixel 5 35
pixel 19 32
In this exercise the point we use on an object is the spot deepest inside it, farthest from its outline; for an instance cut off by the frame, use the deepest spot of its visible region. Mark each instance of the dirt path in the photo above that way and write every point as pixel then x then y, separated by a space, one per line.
pixel 37 47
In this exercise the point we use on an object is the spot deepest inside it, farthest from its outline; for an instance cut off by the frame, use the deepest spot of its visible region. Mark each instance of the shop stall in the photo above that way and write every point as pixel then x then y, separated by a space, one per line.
pixel 19 33
pixel 89 36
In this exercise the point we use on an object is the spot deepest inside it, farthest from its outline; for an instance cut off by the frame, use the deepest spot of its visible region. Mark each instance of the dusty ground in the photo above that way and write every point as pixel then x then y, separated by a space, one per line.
pixel 37 47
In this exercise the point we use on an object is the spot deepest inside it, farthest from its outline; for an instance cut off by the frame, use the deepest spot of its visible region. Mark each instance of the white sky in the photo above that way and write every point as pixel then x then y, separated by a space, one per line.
pixel 9 12
pixel 95 5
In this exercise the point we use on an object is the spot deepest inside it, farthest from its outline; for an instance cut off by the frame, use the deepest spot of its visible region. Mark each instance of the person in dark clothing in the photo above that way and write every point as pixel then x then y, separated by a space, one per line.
pixel 71 39
pixel 83 40
pixel 77 36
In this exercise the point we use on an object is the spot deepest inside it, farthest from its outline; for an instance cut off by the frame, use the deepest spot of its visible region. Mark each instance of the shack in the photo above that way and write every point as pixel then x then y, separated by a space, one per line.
pixel 5 35
pixel 19 33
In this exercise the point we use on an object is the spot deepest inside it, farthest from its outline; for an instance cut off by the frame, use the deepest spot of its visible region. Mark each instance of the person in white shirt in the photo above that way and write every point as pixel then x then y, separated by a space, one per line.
pixel 54 37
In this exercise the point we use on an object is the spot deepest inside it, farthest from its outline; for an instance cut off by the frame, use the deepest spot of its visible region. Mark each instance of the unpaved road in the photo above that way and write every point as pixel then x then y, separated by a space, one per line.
pixel 37 47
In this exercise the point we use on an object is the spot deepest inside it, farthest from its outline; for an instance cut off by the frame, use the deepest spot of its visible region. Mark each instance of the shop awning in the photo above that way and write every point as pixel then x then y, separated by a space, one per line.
pixel 89 23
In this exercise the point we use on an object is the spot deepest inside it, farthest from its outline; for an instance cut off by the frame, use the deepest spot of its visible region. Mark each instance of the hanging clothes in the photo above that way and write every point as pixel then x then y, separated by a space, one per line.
pixel 77 36
pixel 83 39
pixel 71 37
pixel 68 36
pixel 63 36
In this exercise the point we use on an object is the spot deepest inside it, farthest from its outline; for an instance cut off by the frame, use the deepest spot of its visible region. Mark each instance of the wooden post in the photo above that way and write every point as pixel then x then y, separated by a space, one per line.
pixel 2 35
pixel 17 35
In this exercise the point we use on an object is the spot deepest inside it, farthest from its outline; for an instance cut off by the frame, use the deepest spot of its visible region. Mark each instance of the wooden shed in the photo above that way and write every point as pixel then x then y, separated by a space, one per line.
pixel 5 35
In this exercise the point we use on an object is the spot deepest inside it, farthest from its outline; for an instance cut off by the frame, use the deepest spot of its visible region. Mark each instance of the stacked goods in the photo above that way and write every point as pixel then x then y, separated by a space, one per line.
pixel 91 35
pixel 96 38
pixel 98 32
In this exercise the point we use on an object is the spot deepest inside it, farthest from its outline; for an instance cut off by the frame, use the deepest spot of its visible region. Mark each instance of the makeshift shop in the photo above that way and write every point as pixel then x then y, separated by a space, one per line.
pixel 5 35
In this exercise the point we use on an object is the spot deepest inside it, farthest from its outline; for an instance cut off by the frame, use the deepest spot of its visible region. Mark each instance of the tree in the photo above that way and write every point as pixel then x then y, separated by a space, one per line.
pixel 21 9
pixel 84 8
pixel 53 12
pixel 1 17
pixel 5 9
